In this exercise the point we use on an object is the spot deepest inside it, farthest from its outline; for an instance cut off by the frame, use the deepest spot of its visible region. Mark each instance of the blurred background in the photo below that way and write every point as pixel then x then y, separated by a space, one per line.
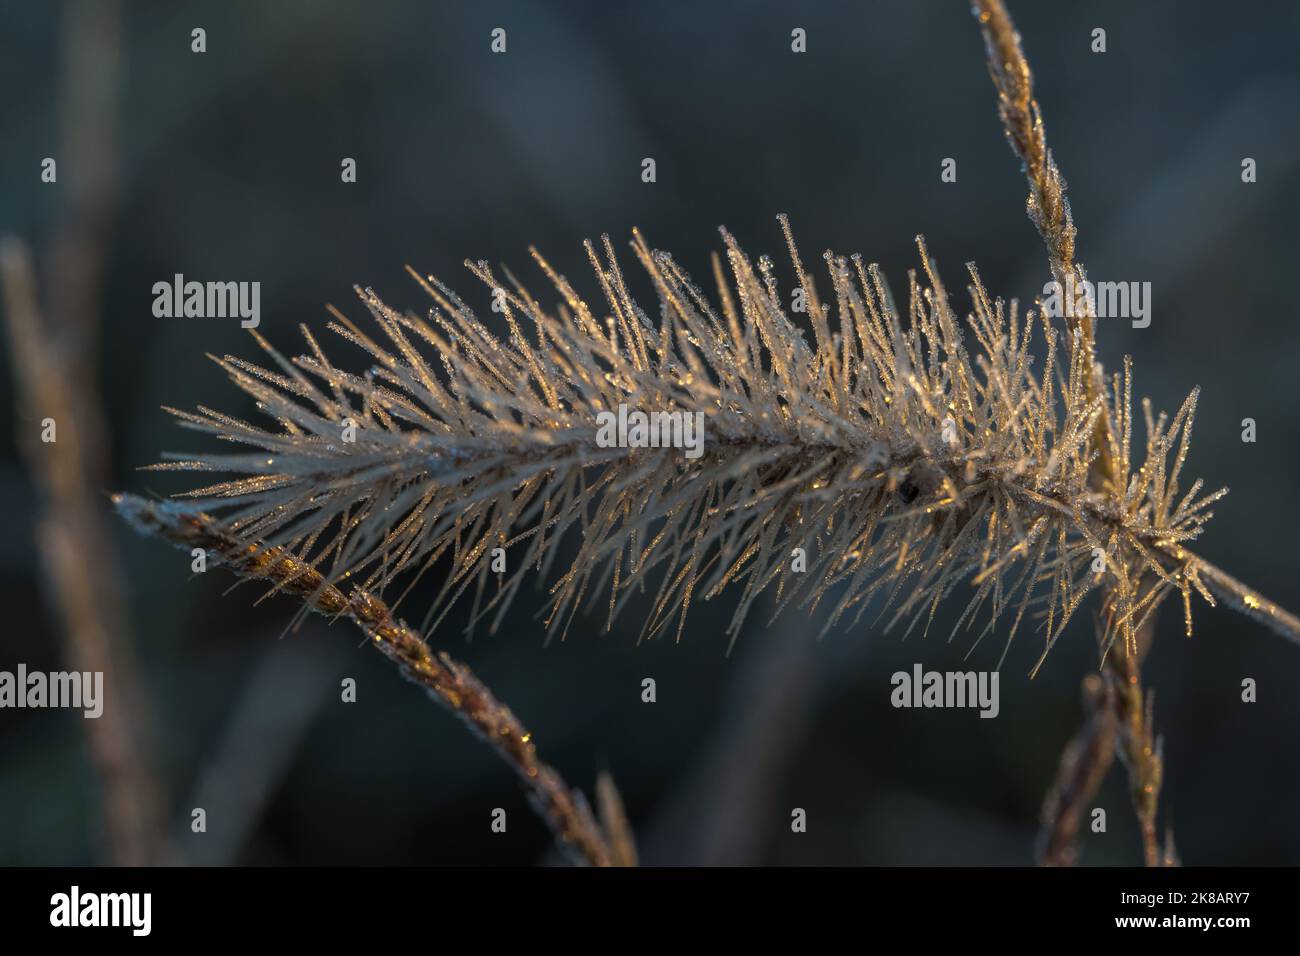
pixel 226 165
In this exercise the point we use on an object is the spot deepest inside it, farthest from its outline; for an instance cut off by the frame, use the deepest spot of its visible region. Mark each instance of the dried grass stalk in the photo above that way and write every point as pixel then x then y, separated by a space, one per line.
pixel 448 682
pixel 1118 713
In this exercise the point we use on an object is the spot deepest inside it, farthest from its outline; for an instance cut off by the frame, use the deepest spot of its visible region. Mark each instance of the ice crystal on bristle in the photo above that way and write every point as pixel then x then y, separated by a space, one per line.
pixel 835 444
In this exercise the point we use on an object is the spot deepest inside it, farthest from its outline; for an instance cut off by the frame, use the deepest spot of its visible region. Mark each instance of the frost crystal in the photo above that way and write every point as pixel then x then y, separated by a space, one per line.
pixel 904 453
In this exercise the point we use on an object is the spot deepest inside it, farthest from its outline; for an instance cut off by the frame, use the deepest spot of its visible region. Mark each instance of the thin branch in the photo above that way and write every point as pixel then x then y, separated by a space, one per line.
pixel 1247 600
pixel 1047 205
pixel 1049 210
pixel 1139 748
pixel 1118 712
pixel 1023 122
pixel 448 682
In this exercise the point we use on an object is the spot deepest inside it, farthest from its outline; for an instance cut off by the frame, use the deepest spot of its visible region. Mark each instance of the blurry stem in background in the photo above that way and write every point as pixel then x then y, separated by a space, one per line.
pixel 1084 765
pixel 718 815
pixel 287 690
pixel 56 375
pixel 1118 716
pixel 452 684
pixel 88 114
pixel 78 562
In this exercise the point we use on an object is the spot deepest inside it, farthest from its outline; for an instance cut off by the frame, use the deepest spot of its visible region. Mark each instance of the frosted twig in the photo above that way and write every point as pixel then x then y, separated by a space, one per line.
pixel 1023 122
pixel 1247 600
pixel 448 682
pixel 1048 207
pixel 1116 708
pixel 1139 748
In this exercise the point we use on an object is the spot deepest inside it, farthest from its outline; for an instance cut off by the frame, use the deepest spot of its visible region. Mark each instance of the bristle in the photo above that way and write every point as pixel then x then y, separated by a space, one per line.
pixel 444 457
